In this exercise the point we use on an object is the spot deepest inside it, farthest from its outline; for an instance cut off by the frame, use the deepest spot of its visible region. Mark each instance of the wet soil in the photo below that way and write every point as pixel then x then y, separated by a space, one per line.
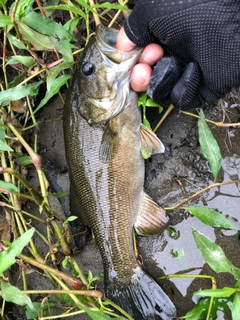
pixel 170 177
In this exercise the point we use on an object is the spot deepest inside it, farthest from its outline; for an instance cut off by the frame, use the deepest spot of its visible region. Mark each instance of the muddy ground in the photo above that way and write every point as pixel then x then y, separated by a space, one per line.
pixel 170 178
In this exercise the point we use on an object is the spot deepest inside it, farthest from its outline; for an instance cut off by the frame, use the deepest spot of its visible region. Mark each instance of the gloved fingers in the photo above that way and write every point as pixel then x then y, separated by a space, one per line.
pixel 183 89
pixel 189 93
pixel 164 76
pixel 203 96
pixel 185 94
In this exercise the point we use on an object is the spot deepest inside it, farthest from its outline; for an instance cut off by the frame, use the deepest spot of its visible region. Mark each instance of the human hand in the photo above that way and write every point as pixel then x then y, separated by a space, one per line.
pixel 141 72
pixel 201 41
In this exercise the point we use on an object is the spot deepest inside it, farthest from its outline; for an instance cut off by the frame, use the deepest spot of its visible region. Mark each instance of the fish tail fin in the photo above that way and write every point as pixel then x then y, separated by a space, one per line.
pixel 142 298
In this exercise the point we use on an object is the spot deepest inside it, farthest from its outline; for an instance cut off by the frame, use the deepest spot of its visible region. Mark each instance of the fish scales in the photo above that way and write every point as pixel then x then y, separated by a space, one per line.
pixel 107 193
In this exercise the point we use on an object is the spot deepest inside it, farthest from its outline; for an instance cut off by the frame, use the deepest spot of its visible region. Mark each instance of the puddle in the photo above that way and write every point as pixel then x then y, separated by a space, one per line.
pixel 162 250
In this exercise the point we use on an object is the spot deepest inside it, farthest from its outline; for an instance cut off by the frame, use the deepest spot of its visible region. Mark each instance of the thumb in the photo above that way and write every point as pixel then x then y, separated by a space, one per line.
pixel 123 43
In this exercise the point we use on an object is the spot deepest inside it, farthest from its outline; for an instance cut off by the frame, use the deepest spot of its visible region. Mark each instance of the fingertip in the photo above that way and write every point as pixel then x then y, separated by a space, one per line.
pixel 140 77
pixel 151 54
pixel 123 43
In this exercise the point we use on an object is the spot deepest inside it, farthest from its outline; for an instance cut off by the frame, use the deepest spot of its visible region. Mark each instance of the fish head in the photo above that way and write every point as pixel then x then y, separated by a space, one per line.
pixel 104 77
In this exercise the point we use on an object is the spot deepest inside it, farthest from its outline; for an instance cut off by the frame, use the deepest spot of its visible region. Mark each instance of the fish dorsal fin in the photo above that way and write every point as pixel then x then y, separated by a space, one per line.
pixel 110 141
pixel 150 142
pixel 151 219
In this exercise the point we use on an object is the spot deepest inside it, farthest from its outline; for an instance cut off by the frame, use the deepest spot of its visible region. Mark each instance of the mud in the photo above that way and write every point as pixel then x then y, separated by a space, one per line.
pixel 170 178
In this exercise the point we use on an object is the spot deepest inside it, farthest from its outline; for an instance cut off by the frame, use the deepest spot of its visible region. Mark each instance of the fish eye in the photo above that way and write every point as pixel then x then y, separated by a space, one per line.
pixel 88 69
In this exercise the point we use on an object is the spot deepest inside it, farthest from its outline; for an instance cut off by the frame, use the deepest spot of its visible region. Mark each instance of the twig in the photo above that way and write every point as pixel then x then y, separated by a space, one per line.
pixel 218 184
pixel 218 124
pixel 169 109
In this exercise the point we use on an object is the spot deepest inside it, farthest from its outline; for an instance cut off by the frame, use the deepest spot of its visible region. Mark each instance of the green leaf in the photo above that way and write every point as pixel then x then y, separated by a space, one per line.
pixel 5 20
pixel 146 123
pixel 4 146
pixel 237 284
pixel 36 39
pixel 214 255
pixel 54 72
pixel 65 48
pixel 84 4
pixel 25 60
pixel 236 307
pixel 209 146
pixel 69 219
pixel 199 311
pixel 33 313
pixel 142 99
pixel 7 257
pixel 23 7
pixel 2 3
pixel 20 92
pixel 14 295
pixel 43 42
pixel 217 293
pixel 71 24
pixel 46 26
pixel 8 186
pixel 16 42
pixel 151 103
pixel 108 5
pixel 56 85
pixel 211 217
pixel 44 307
pixel 68 7
pixel 24 160
pixel 17 79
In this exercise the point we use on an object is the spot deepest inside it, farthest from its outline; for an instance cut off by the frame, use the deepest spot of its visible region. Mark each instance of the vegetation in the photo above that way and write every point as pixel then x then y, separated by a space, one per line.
pixel 38 56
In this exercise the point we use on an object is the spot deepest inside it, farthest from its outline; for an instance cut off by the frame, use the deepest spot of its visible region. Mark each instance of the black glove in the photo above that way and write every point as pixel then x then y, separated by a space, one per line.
pixel 201 40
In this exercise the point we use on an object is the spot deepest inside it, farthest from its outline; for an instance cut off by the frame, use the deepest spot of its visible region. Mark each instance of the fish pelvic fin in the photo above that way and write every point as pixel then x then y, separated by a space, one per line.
pixel 142 298
pixel 150 142
pixel 152 219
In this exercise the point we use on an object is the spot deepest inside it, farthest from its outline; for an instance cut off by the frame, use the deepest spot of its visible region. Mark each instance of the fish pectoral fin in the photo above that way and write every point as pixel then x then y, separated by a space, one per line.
pixel 150 142
pixel 110 142
pixel 151 219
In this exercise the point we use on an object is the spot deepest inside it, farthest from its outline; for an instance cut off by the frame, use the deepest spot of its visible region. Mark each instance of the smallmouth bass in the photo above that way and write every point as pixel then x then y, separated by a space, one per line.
pixel 103 140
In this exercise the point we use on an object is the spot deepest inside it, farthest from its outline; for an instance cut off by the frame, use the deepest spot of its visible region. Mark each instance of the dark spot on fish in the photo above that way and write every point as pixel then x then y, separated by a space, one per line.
pixel 88 69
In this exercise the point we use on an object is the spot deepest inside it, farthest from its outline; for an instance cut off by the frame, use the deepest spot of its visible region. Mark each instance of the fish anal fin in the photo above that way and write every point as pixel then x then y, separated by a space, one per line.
pixel 150 142
pixel 151 219
pixel 110 141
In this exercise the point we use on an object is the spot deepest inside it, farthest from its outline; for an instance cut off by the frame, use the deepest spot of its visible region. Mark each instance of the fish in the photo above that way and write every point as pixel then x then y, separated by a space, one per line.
pixel 104 137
